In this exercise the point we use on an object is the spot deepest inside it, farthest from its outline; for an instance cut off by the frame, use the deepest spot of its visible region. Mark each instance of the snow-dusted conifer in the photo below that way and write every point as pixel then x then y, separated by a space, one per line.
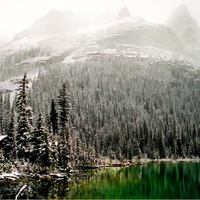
pixel 1 113
pixel 10 141
pixel 24 119
pixel 6 111
pixel 54 117
pixel 64 143
pixel 64 107
pixel 41 144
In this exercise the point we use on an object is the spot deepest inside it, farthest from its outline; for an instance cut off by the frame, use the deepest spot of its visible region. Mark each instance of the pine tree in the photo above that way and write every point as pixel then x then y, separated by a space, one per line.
pixel 64 108
pixel 54 117
pixel 41 144
pixel 10 141
pixel 6 111
pixel 1 114
pixel 161 146
pixel 24 119
pixel 64 142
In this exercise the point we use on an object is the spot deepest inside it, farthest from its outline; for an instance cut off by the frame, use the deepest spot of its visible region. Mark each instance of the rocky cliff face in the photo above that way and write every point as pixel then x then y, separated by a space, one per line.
pixel 138 32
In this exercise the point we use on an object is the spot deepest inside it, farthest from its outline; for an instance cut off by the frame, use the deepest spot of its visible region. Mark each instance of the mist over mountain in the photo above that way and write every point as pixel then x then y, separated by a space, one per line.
pixel 54 22
pixel 61 31
pixel 127 30
pixel 124 12
pixel 3 39
pixel 136 31
pixel 185 27
pixel 104 17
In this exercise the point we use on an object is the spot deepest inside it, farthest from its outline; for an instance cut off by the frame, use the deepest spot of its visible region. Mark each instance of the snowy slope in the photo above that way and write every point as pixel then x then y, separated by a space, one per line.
pixel 11 85
pixel 96 40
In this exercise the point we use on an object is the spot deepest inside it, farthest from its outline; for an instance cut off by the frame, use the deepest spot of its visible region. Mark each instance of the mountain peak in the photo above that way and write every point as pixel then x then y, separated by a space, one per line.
pixel 124 12
pixel 183 8
pixel 53 11
pixel 184 25
pixel 54 22
pixel 181 14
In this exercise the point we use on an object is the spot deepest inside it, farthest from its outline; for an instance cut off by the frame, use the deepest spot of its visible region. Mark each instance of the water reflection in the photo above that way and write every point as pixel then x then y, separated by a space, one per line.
pixel 172 181
pixel 36 189
pixel 157 181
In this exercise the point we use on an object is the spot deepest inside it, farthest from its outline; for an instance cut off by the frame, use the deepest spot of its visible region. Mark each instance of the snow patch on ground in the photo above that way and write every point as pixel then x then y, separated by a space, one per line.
pixel 11 85
pixel 39 59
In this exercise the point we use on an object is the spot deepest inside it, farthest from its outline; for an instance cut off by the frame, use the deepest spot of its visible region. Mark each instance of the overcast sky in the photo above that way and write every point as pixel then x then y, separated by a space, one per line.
pixel 17 15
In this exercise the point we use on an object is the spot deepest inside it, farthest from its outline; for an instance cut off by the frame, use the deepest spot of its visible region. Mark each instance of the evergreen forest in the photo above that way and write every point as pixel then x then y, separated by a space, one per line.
pixel 83 114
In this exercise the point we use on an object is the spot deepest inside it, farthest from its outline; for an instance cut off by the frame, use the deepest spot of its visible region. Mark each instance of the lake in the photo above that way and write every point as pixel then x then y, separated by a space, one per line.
pixel 157 181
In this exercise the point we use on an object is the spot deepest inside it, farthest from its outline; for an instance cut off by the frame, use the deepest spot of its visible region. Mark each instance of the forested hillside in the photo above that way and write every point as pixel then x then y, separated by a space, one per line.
pixel 112 108
pixel 127 108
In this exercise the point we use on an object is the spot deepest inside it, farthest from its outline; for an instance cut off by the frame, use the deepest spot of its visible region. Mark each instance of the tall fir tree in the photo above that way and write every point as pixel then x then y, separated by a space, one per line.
pixel 1 114
pixel 10 141
pixel 161 145
pixel 24 119
pixel 6 111
pixel 41 144
pixel 54 118
pixel 64 139
pixel 64 107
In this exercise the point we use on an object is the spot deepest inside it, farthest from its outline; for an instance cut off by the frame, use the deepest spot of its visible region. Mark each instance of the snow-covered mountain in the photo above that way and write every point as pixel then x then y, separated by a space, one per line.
pixel 186 28
pixel 54 22
pixel 59 32
pixel 123 13
pixel 138 32
pixel 182 23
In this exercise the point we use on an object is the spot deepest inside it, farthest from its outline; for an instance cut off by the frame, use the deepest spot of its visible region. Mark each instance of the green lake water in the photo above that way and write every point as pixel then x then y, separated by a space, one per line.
pixel 152 181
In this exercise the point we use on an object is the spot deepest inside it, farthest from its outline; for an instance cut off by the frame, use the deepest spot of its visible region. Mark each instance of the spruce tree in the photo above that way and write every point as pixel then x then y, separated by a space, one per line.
pixel 24 119
pixel 41 142
pixel 64 107
pixel 10 141
pixel 64 142
pixel 161 145
pixel 54 117
pixel 6 111
pixel 1 114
